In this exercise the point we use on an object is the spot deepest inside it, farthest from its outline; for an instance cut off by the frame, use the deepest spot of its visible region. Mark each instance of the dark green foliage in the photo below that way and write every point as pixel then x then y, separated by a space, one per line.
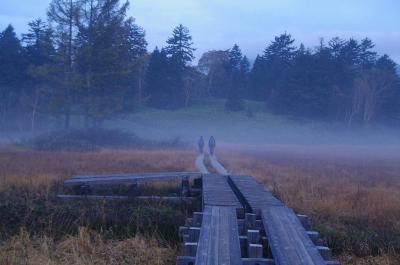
pixel 305 89
pixel 180 46
pixel 237 70
pixel 41 56
pixel 93 63
pixel 12 76
pixel 157 82
pixel 342 81
pixel 94 139
pixel 41 213
pixel 168 70
pixel 104 59
pixel 355 236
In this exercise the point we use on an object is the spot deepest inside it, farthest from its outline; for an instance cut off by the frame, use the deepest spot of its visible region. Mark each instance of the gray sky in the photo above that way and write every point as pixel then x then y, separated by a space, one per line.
pixel 218 24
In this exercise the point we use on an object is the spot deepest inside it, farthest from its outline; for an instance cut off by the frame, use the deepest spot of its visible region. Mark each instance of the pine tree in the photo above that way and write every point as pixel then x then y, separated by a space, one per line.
pixel 64 13
pixel 235 58
pixel 244 76
pixel 138 55
pixel 276 60
pixel 180 46
pixel 180 53
pixel 157 79
pixel 12 75
pixel 257 81
pixel 41 54
pixel 235 93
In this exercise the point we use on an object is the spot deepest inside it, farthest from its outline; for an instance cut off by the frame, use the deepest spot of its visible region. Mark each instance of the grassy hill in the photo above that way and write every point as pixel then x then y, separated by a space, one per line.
pixel 254 125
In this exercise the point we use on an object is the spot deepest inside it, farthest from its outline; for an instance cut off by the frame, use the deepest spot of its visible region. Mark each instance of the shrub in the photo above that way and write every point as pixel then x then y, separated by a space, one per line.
pixel 94 139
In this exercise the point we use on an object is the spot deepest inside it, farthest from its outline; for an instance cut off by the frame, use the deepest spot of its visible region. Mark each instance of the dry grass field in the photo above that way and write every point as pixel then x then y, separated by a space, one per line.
pixel 352 198
pixel 353 202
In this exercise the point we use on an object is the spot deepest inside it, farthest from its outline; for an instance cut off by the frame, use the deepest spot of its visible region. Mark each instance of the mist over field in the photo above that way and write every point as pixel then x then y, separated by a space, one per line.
pixel 103 103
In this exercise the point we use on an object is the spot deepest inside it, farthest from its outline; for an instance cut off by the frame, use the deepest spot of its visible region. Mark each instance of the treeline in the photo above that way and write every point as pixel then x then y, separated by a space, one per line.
pixel 340 80
pixel 90 59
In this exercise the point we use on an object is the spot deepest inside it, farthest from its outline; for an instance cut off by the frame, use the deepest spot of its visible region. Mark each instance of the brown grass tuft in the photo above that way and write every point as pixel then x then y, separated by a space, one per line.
pixel 354 202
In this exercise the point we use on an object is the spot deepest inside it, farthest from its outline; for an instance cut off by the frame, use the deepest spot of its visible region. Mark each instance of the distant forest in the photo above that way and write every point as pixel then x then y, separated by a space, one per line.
pixel 88 58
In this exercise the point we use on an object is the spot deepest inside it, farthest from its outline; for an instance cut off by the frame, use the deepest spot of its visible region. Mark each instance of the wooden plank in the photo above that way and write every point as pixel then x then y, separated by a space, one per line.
pixel 217 192
pixel 288 239
pixel 219 237
pixel 126 179
pixel 253 194
pixel 142 174
pixel 126 198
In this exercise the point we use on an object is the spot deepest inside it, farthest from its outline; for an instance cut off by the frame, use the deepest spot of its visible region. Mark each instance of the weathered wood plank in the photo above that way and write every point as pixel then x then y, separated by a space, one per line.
pixel 288 239
pixel 126 198
pixel 142 174
pixel 127 179
pixel 219 237
pixel 253 194
pixel 217 192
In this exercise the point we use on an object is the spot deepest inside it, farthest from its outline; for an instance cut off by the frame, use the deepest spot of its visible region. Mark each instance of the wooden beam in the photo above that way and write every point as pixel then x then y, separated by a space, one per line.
pixel 126 198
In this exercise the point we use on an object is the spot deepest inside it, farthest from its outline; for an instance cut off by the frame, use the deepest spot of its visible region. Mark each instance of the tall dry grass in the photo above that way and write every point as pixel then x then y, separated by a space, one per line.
pixel 38 169
pixel 35 228
pixel 354 202
pixel 87 247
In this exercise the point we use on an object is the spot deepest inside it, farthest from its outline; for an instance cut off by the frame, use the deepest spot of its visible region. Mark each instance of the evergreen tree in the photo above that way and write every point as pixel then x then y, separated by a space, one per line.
pixel 138 55
pixel 306 89
pixel 276 60
pixel 104 59
pixel 157 79
pixel 235 58
pixel 180 46
pixel 64 13
pixel 180 53
pixel 12 75
pixel 244 76
pixel 367 55
pixel 41 54
pixel 257 83
pixel 235 94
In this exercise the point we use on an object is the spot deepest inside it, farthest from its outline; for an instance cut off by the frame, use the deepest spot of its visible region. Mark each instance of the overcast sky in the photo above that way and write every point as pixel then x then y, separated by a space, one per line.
pixel 218 24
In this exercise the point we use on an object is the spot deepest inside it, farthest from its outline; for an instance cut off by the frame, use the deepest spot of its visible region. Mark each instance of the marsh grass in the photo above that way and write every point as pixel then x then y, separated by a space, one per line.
pixel 36 228
pixel 353 202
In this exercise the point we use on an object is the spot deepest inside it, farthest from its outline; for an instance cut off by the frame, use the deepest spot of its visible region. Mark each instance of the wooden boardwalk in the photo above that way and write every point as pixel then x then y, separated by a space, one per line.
pixel 217 192
pixel 121 179
pixel 240 223
pixel 253 194
pixel 288 239
pixel 219 237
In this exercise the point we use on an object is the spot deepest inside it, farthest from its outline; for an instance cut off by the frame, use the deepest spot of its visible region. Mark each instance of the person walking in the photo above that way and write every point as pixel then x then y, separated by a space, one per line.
pixel 211 145
pixel 200 143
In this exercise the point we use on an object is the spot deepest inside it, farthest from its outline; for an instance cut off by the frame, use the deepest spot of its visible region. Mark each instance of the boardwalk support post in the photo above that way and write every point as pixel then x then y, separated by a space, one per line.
pixel 185 260
pixel 250 220
pixel 325 252
pixel 255 251
pixel 197 219
pixel 305 221
pixel 185 187
pixel 190 249
pixel 253 236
